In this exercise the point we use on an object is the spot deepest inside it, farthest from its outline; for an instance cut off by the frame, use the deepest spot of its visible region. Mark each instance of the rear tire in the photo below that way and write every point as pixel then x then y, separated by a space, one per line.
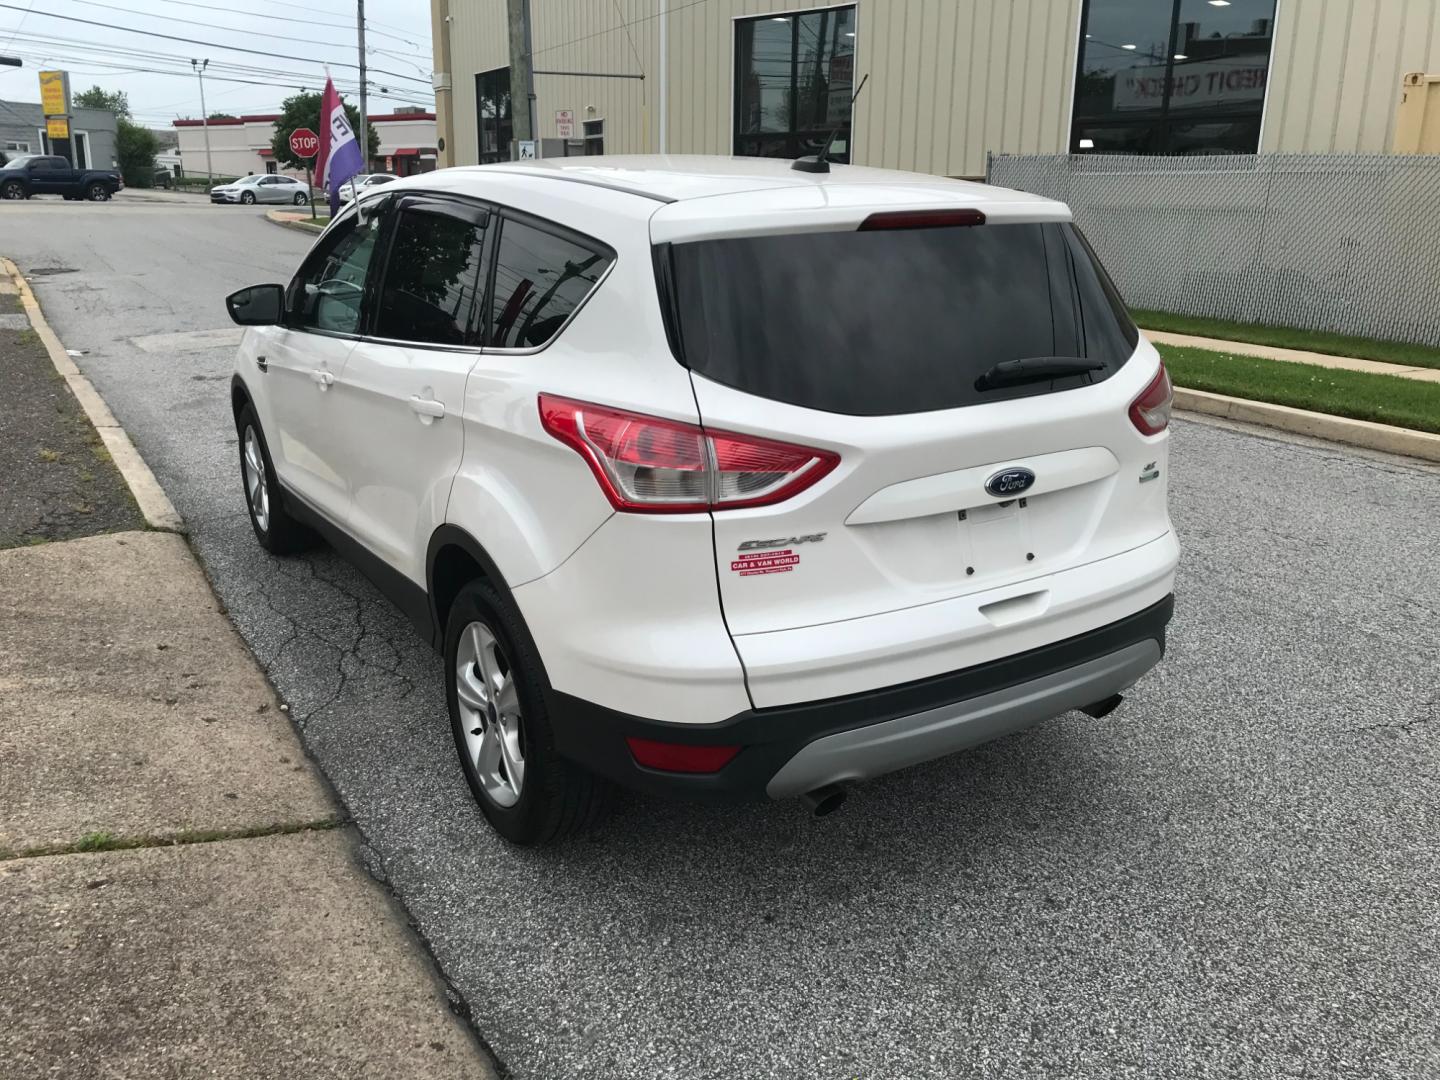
pixel 489 652
pixel 13 190
pixel 277 532
pixel 301 198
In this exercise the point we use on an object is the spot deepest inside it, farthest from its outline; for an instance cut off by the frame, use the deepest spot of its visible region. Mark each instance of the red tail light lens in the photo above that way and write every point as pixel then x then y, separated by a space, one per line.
pixel 921 219
pixel 1150 412
pixel 648 465
pixel 677 757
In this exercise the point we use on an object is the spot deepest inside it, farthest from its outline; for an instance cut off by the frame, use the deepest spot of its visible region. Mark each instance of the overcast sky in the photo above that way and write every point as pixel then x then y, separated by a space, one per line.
pixel 124 52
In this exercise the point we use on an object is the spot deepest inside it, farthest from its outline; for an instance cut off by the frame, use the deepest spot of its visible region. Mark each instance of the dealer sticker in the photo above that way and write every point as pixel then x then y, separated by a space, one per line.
pixel 765 562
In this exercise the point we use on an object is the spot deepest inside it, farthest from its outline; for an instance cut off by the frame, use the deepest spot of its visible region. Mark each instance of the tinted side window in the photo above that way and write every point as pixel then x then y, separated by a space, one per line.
pixel 329 291
pixel 540 279
pixel 433 277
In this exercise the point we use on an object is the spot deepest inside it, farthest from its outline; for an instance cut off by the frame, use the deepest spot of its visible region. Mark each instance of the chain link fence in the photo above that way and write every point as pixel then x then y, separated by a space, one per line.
pixel 1343 243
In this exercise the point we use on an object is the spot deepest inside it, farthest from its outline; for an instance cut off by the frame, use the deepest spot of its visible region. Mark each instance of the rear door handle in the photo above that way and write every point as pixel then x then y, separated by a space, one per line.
pixel 324 378
pixel 427 407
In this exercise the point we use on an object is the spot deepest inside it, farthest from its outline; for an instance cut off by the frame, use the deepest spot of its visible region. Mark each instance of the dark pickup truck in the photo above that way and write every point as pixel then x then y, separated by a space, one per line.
pixel 37 174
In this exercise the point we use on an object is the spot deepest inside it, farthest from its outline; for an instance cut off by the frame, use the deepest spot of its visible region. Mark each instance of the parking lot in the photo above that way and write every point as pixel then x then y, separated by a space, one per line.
pixel 1233 875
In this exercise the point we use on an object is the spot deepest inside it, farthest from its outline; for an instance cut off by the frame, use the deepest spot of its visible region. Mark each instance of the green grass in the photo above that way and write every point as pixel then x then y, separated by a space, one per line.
pixel 1390 352
pixel 1384 399
pixel 103 840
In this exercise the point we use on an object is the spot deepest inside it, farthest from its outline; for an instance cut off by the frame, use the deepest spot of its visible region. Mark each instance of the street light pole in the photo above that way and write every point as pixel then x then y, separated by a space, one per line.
pixel 199 67
pixel 364 109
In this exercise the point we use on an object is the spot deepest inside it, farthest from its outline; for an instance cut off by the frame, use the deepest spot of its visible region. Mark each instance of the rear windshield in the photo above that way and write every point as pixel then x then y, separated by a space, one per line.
pixel 886 322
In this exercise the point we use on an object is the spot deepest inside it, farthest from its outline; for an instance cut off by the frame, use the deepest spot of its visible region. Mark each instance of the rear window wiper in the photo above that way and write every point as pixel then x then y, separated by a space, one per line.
pixel 1035 369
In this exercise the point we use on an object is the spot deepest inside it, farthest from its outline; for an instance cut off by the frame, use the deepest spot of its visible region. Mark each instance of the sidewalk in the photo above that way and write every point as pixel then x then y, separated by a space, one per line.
pixel 180 893
pixel 1294 356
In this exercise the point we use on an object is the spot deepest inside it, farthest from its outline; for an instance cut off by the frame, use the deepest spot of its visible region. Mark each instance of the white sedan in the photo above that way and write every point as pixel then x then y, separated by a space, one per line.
pixel 363 183
pixel 262 188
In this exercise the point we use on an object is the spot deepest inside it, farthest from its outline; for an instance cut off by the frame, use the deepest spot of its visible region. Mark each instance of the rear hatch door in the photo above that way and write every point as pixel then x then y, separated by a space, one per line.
pixel 887 344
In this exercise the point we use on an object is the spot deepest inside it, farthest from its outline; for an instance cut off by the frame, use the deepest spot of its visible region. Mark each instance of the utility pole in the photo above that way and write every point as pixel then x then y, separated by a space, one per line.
pixel 364 110
pixel 664 79
pixel 522 80
pixel 199 67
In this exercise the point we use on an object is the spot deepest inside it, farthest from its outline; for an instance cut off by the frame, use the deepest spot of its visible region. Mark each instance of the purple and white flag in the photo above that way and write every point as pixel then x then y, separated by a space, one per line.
pixel 340 157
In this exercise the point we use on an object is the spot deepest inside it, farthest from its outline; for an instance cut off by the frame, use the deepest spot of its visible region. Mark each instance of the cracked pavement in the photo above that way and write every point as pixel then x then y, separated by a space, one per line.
pixel 1234 875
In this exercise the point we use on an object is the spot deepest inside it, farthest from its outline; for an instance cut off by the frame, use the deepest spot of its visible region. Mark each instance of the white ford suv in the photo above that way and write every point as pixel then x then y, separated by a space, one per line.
pixel 715 477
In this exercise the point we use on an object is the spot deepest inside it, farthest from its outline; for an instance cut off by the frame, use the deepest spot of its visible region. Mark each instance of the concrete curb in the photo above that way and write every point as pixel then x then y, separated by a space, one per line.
pixel 155 505
pixel 1293 356
pixel 1341 429
pixel 277 217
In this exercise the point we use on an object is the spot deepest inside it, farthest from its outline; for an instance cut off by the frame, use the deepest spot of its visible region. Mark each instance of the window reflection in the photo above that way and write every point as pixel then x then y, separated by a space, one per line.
pixel 794 77
pixel 1181 77
pixel 492 110
pixel 431 280
pixel 540 279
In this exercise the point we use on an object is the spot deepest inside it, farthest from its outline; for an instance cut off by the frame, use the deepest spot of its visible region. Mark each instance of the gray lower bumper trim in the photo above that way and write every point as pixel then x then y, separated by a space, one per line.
pixel 861 753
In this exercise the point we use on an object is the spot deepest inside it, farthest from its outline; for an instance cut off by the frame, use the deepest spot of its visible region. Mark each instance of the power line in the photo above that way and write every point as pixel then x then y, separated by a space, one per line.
pixel 622 26
pixel 345 86
pixel 211 44
pixel 286 18
pixel 29 4
pixel 195 22
pixel 48 47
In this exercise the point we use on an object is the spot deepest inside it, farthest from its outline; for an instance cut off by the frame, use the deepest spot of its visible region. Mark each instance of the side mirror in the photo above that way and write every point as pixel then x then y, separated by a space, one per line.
pixel 259 305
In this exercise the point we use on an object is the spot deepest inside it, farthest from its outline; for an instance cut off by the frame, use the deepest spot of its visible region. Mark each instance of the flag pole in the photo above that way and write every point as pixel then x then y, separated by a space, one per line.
pixel 310 186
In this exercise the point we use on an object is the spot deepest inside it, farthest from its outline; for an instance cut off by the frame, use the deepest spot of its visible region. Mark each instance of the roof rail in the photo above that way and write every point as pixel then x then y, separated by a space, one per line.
pixel 589 181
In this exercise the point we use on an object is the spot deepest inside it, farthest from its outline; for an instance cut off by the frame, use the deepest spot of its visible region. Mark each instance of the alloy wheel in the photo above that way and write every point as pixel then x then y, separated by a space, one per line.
pixel 490 712
pixel 257 489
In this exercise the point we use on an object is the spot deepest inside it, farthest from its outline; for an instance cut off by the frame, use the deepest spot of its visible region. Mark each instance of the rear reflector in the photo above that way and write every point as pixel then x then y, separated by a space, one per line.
pixel 648 465
pixel 921 219
pixel 678 757
pixel 1150 412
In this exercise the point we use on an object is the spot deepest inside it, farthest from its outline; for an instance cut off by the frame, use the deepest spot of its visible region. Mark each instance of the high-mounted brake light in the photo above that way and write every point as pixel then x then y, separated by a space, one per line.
pixel 649 465
pixel 1150 412
pixel 921 219
pixel 680 757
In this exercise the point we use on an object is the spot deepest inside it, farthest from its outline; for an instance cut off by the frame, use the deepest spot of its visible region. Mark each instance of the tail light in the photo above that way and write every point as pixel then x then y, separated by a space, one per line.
pixel 921 219
pixel 648 465
pixel 1150 412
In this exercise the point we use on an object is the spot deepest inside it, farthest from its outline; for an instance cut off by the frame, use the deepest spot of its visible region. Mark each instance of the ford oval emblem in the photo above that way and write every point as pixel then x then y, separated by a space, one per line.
pixel 1008 483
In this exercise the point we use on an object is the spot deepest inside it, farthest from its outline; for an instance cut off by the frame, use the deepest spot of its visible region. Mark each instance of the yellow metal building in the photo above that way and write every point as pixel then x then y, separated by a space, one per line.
pixel 949 81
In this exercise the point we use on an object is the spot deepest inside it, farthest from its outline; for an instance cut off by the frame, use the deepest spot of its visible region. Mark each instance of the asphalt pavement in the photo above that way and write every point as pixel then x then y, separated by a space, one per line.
pixel 1234 875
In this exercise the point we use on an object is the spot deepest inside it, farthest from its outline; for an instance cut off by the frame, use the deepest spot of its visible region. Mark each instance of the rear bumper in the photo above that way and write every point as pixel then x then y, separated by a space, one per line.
pixel 796 748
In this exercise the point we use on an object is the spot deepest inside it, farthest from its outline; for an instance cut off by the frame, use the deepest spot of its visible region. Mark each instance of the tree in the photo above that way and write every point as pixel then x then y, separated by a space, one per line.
pixel 136 147
pixel 303 111
pixel 117 101
pixel 221 116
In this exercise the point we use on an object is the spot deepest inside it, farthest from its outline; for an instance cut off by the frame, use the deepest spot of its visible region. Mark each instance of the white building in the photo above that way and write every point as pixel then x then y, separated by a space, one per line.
pixel 242 145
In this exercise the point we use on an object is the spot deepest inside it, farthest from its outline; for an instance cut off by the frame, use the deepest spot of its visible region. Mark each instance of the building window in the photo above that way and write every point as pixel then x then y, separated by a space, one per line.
pixel 594 137
pixel 492 111
pixel 17 147
pixel 793 83
pixel 1185 77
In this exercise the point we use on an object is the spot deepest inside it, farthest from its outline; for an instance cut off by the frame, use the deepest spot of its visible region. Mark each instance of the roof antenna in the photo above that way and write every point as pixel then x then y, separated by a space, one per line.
pixel 820 162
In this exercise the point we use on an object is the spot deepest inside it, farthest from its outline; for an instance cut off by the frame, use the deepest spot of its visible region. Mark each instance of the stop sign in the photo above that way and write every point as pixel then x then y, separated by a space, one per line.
pixel 304 143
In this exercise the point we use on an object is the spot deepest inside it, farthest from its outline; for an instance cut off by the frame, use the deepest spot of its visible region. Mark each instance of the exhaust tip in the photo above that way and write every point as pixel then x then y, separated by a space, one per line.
pixel 1102 708
pixel 824 800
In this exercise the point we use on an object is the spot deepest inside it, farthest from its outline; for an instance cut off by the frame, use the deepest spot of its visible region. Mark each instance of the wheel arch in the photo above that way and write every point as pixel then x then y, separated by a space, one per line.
pixel 239 396
pixel 453 558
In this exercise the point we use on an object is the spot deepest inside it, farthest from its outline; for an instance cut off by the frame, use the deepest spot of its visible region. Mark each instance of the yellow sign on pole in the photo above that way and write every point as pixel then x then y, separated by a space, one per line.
pixel 53 93
pixel 57 127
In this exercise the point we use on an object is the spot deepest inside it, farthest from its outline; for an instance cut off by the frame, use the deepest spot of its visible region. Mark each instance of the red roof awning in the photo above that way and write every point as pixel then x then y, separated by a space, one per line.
pixel 266 152
pixel 407 151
